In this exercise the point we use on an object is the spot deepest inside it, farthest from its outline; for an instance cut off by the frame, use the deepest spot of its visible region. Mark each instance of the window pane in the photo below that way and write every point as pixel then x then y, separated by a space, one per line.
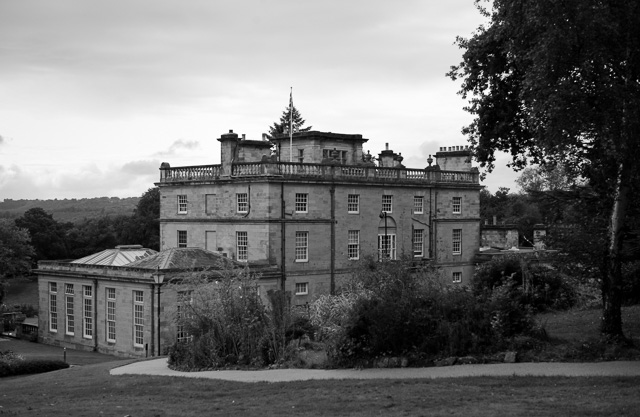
pixel 418 204
pixel 301 202
pixel 302 242
pixel 353 203
pixel 353 245
pixel 182 238
pixel 457 205
pixel 457 241
pixel 387 203
pixel 418 242
pixel 242 200
pixel 242 242
pixel 182 204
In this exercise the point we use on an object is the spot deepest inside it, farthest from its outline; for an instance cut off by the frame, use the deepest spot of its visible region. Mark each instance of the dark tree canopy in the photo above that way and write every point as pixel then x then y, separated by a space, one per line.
pixel 282 127
pixel 15 249
pixel 559 82
pixel 48 236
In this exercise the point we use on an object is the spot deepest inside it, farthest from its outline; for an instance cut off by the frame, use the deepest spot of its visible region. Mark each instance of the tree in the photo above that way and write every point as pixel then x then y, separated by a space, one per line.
pixel 48 236
pixel 15 252
pixel 283 126
pixel 559 82
pixel 544 178
pixel 143 227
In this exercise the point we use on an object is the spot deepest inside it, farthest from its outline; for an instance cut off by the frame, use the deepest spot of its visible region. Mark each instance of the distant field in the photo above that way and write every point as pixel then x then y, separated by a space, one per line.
pixel 71 210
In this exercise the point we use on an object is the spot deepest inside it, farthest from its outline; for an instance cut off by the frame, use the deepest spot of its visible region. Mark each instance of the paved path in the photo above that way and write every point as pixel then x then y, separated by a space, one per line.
pixel 618 368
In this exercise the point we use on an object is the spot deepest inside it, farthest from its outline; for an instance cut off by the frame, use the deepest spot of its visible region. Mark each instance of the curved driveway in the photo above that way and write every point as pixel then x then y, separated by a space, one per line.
pixel 616 368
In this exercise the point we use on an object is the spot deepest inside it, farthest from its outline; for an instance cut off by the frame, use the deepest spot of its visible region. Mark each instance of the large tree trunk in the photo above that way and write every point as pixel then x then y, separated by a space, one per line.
pixel 611 326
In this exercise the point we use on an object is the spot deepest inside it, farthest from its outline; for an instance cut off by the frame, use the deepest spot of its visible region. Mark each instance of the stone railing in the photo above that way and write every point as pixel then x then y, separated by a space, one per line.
pixel 320 171
pixel 190 173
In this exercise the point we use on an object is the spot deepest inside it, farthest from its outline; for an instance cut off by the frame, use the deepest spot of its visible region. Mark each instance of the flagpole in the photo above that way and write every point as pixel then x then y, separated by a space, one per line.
pixel 291 125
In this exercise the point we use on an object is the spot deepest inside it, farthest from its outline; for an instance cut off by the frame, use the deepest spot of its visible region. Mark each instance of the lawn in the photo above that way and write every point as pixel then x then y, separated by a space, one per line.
pixel 91 391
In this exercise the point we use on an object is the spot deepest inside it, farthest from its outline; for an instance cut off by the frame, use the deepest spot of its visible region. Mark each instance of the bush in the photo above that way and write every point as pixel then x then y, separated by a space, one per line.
pixel 230 326
pixel 12 365
pixel 392 309
pixel 224 315
pixel 542 287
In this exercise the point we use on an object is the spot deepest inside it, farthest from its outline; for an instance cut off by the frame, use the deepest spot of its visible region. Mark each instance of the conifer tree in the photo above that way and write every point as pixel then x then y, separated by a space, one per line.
pixel 282 127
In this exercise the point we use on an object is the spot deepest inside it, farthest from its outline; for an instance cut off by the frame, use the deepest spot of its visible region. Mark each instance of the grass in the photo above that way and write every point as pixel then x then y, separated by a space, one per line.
pixel 90 390
pixel 578 325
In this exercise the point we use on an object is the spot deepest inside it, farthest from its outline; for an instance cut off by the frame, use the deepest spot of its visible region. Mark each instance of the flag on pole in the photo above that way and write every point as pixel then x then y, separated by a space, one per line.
pixel 291 125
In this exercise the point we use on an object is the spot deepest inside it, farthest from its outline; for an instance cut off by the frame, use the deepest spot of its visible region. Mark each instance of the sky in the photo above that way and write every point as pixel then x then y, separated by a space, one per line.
pixel 94 95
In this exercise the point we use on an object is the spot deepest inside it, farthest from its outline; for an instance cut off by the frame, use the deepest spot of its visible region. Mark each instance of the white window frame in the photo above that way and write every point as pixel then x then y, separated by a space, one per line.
pixel 417 241
pixel 69 308
pixel 242 202
pixel 353 203
pixel 456 205
pixel 87 311
pixel 418 204
pixel 242 246
pixel 182 204
pixel 110 314
pixel 302 288
pixel 138 318
pixel 387 203
pixel 353 245
pixel 456 241
pixel 302 203
pixel 302 246
pixel 457 277
pixel 301 155
pixel 387 250
pixel 182 243
pixel 53 307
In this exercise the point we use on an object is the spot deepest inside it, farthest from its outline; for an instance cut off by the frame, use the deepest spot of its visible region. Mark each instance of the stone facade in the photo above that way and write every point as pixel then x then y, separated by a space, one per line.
pixel 501 236
pixel 312 219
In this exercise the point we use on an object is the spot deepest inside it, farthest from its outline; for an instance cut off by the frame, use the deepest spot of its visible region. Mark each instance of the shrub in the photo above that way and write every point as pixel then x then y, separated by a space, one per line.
pixel 12 365
pixel 541 287
pixel 394 309
pixel 229 325
pixel 225 317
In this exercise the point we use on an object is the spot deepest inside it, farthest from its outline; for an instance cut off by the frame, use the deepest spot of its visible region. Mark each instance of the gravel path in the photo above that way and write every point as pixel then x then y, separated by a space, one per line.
pixel 617 368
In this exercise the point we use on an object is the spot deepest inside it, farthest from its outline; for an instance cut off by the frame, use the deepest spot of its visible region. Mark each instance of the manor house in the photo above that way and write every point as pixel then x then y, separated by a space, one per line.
pixel 314 205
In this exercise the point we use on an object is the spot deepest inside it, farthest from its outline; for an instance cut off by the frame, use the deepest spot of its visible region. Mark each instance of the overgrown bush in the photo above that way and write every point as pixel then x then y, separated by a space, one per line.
pixel 224 316
pixel 540 287
pixel 392 309
pixel 12 365
pixel 229 325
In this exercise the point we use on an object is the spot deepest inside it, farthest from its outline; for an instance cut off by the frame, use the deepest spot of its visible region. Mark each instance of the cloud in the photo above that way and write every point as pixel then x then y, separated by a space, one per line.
pixel 120 180
pixel 177 146
pixel 1 139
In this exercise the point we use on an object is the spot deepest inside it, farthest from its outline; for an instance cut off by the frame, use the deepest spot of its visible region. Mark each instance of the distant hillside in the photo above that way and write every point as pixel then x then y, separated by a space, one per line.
pixel 71 210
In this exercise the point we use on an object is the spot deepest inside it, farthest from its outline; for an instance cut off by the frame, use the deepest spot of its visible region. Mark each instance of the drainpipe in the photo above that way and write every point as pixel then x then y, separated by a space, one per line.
pixel 283 239
pixel 153 324
pixel 95 314
pixel 332 191
pixel 430 225
pixel 248 201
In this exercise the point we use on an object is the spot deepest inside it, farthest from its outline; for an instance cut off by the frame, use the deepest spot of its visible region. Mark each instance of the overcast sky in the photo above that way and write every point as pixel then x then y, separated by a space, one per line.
pixel 94 95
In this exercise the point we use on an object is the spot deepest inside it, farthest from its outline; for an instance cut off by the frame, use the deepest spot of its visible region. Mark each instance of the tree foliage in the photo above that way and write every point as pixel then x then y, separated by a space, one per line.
pixel 47 235
pixel 559 82
pixel 282 126
pixel 16 252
